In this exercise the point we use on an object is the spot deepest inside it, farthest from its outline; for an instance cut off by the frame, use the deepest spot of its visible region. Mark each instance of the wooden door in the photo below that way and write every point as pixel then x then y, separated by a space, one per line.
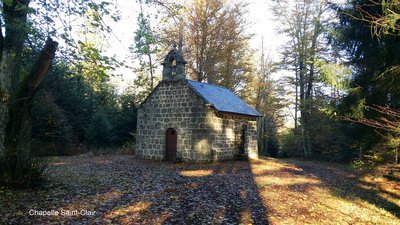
pixel 171 140
pixel 242 141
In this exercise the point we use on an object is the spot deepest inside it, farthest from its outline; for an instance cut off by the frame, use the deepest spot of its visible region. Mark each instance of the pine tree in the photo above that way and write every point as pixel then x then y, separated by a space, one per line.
pixel 99 132
pixel 145 48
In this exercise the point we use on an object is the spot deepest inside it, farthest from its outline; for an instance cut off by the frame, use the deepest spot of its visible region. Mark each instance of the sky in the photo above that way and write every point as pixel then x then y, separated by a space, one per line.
pixel 259 17
pixel 261 25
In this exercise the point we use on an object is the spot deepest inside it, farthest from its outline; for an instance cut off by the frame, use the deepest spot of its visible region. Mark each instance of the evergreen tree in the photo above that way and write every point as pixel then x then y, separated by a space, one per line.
pixel 18 84
pixel 99 131
pixel 376 64
pixel 51 131
pixel 145 48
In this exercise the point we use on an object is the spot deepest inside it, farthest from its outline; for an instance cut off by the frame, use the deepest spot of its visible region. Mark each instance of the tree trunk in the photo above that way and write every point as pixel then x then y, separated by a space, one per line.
pixel 303 104
pixel 181 27
pixel 8 68
pixel 260 129
pixel 296 104
pixel 265 135
pixel 151 71
pixel 310 84
pixel 17 140
pixel 15 17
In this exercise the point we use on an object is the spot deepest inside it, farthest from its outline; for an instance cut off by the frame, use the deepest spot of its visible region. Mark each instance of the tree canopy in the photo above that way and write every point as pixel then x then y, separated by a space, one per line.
pixel 338 97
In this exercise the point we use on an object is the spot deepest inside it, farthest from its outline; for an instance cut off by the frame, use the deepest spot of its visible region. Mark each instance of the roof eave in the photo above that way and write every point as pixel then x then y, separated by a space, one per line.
pixel 244 114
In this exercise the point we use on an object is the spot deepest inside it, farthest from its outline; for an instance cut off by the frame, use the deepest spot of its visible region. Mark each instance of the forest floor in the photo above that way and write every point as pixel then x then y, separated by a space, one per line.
pixel 126 190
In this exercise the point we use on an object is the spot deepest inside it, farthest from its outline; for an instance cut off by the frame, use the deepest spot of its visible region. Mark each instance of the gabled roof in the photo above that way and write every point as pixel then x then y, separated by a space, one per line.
pixel 222 99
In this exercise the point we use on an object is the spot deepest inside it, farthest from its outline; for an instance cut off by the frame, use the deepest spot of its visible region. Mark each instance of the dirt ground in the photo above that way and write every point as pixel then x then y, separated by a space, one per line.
pixel 126 190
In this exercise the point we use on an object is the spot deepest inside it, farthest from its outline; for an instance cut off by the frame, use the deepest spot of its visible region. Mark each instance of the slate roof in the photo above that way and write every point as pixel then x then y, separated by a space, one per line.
pixel 222 98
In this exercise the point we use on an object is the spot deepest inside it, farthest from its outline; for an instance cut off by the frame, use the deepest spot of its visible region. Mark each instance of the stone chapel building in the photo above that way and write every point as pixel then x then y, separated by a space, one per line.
pixel 187 120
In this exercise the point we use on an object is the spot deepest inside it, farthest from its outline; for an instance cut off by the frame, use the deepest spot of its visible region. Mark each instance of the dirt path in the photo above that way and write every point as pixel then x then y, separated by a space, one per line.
pixel 125 190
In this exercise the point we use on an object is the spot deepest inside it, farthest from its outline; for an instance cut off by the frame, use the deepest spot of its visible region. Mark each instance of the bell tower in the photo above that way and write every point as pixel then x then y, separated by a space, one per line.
pixel 174 66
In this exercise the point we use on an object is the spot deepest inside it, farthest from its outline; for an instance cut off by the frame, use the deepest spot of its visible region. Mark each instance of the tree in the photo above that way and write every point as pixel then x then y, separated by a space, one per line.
pixel 375 79
pixel 11 45
pixel 100 131
pixel 145 48
pixel 71 96
pixel 387 122
pixel 65 105
pixel 267 102
pixel 213 25
pixel 303 22
pixel 336 78
pixel 18 84
pixel 125 121
pixel 51 129
pixel 388 22
pixel 215 42
pixel 17 129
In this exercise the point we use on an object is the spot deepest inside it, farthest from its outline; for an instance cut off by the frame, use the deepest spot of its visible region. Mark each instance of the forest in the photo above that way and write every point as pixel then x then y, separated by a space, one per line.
pixel 337 99
pixel 330 94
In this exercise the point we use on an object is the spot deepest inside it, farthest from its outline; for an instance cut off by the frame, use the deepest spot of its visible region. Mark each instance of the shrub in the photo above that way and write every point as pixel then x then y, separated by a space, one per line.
pixel 17 172
pixel 290 143
pixel 128 148
pixel 273 146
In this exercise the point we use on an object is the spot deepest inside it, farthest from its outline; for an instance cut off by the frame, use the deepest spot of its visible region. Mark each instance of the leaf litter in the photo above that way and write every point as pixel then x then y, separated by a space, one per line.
pixel 127 190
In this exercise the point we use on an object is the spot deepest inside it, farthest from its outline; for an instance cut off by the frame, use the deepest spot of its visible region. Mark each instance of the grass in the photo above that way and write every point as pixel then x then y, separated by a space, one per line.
pixel 126 190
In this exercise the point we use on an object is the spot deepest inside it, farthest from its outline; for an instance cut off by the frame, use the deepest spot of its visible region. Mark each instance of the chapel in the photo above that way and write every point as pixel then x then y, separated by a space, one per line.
pixel 191 121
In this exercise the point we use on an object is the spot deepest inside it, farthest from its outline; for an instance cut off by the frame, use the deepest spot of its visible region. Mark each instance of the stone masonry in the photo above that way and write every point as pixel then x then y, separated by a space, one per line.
pixel 203 133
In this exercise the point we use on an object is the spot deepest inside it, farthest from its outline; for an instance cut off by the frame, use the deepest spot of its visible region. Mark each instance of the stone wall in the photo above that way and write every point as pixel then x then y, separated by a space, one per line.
pixel 203 133
pixel 226 129
pixel 171 105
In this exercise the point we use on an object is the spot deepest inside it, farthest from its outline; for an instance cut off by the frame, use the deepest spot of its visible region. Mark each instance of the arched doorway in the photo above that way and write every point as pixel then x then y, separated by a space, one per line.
pixel 242 141
pixel 171 138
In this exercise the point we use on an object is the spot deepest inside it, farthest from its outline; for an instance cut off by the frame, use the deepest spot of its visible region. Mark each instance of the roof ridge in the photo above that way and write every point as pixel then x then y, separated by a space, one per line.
pixel 208 84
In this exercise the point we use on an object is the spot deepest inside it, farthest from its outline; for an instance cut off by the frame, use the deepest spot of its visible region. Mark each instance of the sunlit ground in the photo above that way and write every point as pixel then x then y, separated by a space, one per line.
pixel 125 190
pixel 299 192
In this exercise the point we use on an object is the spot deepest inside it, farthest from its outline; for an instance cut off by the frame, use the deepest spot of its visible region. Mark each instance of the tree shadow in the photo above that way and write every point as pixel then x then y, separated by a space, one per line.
pixel 125 190
pixel 345 184
pixel 228 195
pixel 150 192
